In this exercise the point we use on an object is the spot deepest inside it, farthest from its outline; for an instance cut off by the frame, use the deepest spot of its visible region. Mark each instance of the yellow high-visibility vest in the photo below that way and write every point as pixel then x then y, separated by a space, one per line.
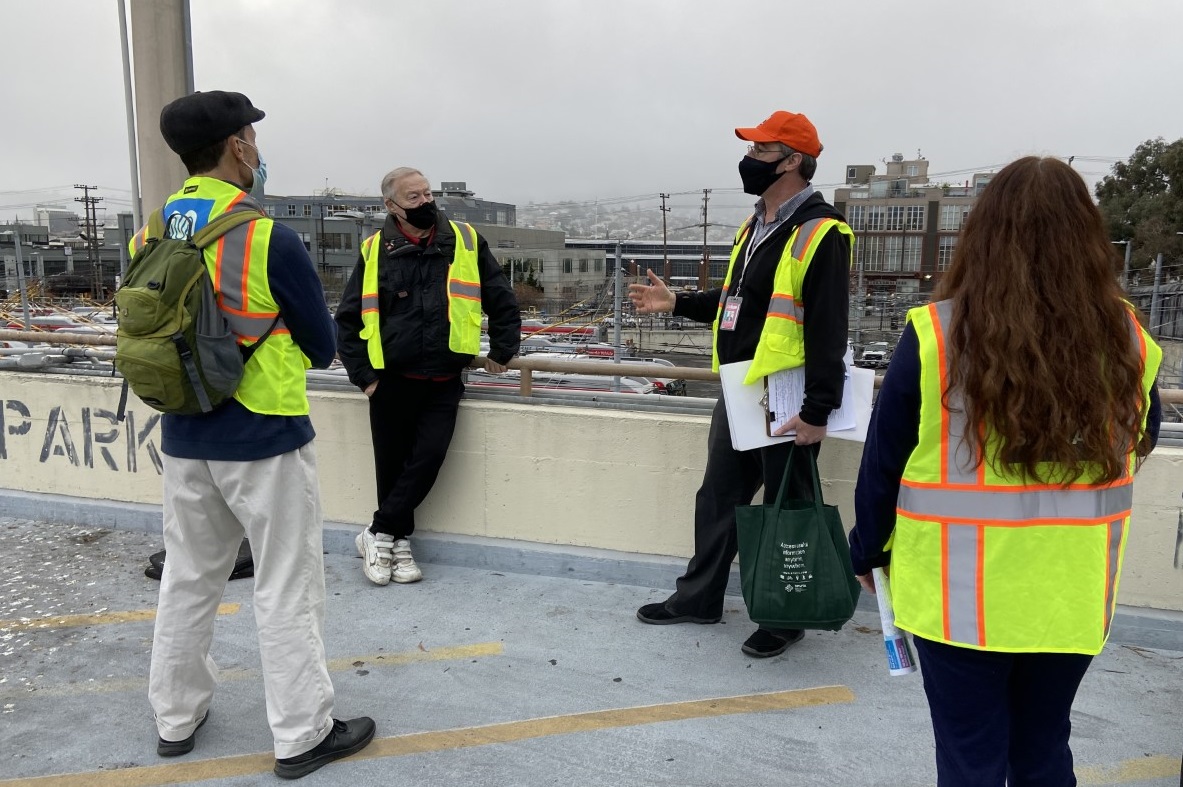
pixel 464 296
pixel 273 381
pixel 983 559
pixel 782 339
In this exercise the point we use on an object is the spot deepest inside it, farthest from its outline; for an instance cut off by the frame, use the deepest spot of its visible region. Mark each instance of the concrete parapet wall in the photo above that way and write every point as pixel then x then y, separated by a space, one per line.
pixel 602 479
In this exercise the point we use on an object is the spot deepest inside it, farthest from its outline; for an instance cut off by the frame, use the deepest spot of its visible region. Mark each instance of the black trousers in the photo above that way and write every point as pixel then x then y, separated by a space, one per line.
pixel 411 425
pixel 731 479
pixel 1001 718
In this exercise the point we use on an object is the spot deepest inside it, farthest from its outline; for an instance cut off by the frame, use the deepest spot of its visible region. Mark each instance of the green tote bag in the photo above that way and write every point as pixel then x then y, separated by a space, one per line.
pixel 794 562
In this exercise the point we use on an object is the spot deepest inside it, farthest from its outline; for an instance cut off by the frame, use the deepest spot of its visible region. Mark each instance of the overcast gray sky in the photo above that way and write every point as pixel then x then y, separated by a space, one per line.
pixel 583 99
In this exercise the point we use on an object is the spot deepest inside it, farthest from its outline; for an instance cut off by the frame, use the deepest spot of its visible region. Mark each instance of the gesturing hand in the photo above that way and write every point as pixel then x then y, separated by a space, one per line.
pixel 651 299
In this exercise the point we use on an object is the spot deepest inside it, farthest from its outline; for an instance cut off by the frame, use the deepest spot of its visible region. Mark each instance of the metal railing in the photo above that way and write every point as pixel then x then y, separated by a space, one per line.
pixel 526 364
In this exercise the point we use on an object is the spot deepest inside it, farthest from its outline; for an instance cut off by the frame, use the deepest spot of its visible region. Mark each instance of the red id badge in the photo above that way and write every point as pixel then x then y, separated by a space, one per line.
pixel 730 313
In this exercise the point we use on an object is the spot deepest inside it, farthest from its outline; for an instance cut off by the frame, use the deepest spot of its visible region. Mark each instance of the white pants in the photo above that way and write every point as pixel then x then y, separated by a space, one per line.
pixel 208 506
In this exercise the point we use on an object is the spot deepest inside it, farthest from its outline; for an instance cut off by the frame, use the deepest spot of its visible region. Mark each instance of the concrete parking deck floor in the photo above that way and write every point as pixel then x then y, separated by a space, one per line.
pixel 480 677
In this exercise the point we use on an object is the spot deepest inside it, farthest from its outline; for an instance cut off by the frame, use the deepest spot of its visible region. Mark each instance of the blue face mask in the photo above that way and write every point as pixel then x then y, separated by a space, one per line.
pixel 259 178
pixel 258 174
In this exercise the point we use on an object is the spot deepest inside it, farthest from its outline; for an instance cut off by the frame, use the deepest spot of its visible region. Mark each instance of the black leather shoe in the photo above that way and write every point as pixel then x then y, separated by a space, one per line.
pixel 660 615
pixel 766 643
pixel 244 564
pixel 177 748
pixel 346 737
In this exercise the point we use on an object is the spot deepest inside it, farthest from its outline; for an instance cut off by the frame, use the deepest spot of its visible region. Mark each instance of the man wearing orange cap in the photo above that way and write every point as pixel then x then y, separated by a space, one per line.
pixel 777 322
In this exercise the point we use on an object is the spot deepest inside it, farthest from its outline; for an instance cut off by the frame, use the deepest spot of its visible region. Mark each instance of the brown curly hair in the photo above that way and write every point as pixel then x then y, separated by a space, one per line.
pixel 1040 344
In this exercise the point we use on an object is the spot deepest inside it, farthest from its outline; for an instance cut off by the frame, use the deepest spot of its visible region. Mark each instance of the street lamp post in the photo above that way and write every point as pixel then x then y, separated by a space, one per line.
pixel 1125 269
pixel 15 232
pixel 1155 295
pixel 860 300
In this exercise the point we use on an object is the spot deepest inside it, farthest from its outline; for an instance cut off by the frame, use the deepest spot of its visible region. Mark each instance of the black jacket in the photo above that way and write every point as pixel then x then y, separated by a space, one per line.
pixel 413 308
pixel 826 297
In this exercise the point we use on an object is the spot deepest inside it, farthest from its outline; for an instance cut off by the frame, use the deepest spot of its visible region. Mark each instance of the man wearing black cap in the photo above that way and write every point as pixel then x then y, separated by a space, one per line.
pixel 247 467
pixel 783 305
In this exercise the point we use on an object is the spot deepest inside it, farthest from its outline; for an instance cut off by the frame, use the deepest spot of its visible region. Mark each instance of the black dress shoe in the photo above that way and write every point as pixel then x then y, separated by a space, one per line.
pixel 244 564
pixel 660 615
pixel 177 748
pixel 766 643
pixel 346 737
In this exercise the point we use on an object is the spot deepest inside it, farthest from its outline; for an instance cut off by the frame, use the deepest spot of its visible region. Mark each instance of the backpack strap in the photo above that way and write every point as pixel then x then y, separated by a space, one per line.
pixel 223 224
pixel 247 352
pixel 155 229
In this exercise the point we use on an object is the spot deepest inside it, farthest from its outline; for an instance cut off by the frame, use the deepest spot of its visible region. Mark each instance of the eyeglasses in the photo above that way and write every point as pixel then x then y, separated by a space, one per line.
pixel 756 151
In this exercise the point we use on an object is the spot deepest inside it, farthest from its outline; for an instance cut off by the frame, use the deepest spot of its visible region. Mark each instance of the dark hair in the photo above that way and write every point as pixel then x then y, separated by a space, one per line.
pixel 207 158
pixel 204 159
pixel 1040 343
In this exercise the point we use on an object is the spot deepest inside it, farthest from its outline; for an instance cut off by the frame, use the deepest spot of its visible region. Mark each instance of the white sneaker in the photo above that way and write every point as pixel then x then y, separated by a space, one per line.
pixel 376 552
pixel 405 569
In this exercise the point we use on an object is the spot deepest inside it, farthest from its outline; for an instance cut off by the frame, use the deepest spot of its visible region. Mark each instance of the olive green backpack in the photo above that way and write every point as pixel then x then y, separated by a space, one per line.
pixel 173 345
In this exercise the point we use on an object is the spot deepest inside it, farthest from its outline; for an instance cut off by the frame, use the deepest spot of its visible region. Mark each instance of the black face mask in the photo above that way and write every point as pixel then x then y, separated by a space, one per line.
pixel 757 175
pixel 422 217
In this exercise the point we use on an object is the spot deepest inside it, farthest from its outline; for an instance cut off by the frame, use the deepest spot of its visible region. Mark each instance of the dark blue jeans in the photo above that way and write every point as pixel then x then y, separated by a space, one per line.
pixel 1001 718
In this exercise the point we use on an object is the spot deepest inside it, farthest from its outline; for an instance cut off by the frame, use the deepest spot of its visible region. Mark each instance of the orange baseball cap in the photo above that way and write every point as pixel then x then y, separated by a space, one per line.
pixel 787 128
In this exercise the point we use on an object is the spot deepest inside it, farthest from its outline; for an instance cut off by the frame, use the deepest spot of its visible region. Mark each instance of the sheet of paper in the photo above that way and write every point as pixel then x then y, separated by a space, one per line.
pixel 860 392
pixel 747 418
pixel 745 413
pixel 786 394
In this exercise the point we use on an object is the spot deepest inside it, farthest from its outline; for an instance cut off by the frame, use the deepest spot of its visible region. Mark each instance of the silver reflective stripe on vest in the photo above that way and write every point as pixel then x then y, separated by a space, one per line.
pixel 786 307
pixel 369 302
pixel 231 288
pixel 1027 504
pixel 962 593
pixel 803 234
pixel 960 460
pixel 461 289
pixel 465 235
pixel 1116 530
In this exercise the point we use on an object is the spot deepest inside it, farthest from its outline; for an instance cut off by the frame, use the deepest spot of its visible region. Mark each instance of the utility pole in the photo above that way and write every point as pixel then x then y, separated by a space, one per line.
pixel 704 274
pixel 92 255
pixel 665 248
pixel 320 209
pixel 618 283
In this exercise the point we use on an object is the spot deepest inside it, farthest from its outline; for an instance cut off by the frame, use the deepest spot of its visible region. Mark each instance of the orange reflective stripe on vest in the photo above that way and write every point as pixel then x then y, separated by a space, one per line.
pixel 982 558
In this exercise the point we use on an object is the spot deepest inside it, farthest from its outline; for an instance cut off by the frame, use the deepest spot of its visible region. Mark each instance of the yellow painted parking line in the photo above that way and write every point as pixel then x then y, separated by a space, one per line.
pixel 465 737
pixel 103 618
pixel 1138 770
pixel 413 656
pixel 112 685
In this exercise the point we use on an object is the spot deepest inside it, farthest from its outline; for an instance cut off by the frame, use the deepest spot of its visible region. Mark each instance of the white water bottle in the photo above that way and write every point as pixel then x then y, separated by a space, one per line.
pixel 900 660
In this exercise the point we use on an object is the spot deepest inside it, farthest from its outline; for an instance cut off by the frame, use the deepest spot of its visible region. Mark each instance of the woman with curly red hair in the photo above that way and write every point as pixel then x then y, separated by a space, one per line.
pixel 997 479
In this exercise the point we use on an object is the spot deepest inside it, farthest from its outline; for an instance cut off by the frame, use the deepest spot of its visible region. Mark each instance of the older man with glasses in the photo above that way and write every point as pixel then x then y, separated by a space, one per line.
pixel 792 226
pixel 408 324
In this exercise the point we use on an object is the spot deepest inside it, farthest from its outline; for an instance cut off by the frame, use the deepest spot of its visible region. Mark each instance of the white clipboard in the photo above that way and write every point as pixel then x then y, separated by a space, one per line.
pixel 748 418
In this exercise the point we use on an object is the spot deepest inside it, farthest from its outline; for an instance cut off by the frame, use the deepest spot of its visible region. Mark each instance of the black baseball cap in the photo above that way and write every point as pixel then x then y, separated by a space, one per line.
pixel 196 121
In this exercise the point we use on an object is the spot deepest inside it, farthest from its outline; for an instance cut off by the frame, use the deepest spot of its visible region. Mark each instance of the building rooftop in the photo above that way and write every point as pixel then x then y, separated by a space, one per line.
pixel 488 673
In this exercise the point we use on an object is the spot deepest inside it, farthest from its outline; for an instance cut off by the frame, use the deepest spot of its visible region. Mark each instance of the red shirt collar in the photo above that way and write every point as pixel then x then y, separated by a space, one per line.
pixel 417 241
